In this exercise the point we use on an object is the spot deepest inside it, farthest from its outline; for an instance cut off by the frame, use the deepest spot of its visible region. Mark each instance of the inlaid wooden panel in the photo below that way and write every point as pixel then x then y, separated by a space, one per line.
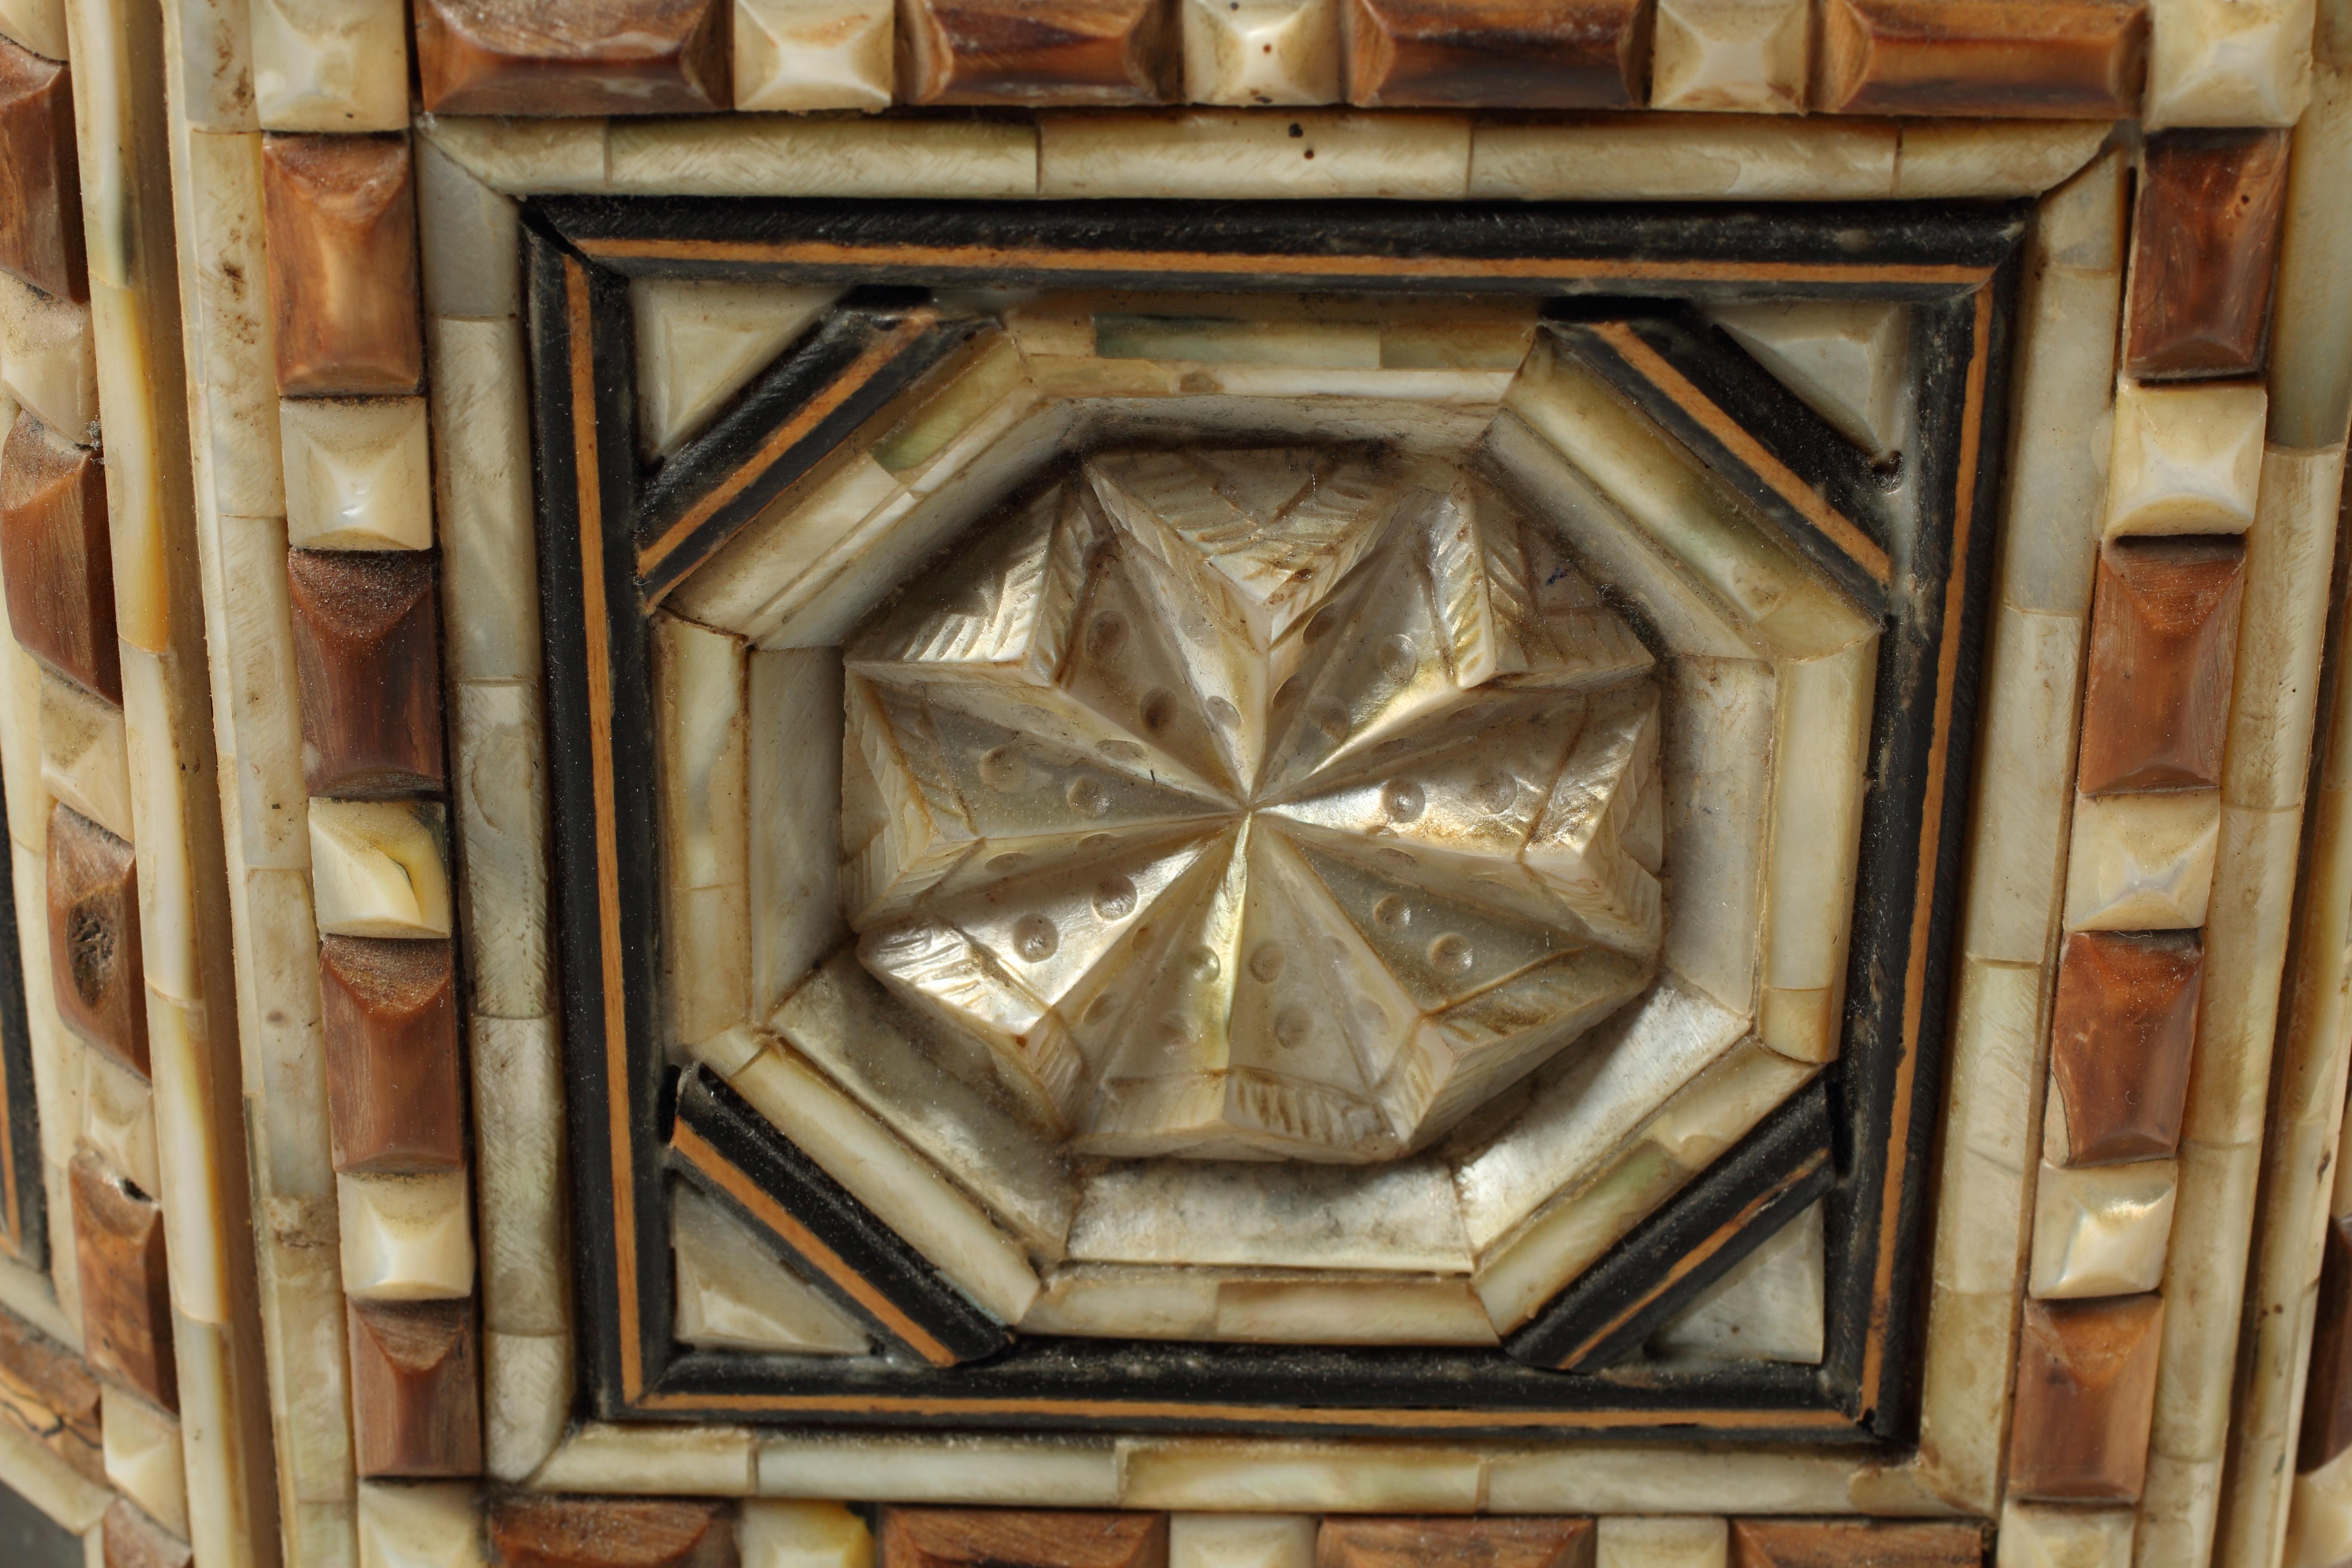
pixel 1570 53
pixel 1854 1544
pixel 389 1010
pixel 2123 1025
pixel 1017 1538
pixel 94 964
pixel 1438 1542
pixel 341 227
pixel 579 57
pixel 2327 1395
pixel 414 1370
pixel 47 1394
pixel 2085 1393
pixel 596 1532
pixel 2208 234
pixel 54 554
pixel 131 1540
pixel 2164 640
pixel 367 650
pixel 126 1309
pixel 2019 57
pixel 40 201
pixel 1038 51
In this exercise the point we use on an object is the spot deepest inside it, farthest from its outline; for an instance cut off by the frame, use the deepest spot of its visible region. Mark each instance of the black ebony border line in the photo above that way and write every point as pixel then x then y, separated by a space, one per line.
pixel 1958 262
pixel 23 1215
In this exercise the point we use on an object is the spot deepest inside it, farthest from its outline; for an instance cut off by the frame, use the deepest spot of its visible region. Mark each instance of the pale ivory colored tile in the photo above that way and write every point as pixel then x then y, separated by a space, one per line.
pixel 518 1075
pixel 1646 157
pixel 1311 1311
pixel 220 1459
pixel 118 1119
pixel 142 1455
pixel 2319 1519
pixel 1241 1540
pixel 261 705
pixel 2248 919
pixel 197 1234
pixel 2050 1536
pixel 1848 360
pixel 1946 158
pixel 780 155
pixel 2029 733
pixel 1823 742
pixel 699 677
pixel 358 473
pixel 331 65
pixel 1630 1477
pixel 700 340
pixel 2281 627
pixel 780 1534
pixel 1769 1307
pixel 208 64
pixel 933 1090
pixel 1114 1302
pixel 1072 1472
pixel 905 1191
pixel 413 1524
pixel 481 435
pixel 812 54
pixel 2228 62
pixel 233 380
pixel 2186 459
pixel 279 1003
pixel 2310 377
pixel 1518 1275
pixel 83 759
pixel 1260 51
pixel 1988 1140
pixel 2101 1230
pixel 322 1531
pixel 500 790
pixel 127 369
pixel 1730 54
pixel 1232 1477
pixel 1624 1541
pixel 527 1382
pixel 37 24
pixel 795 777
pixel 732 1295
pixel 470 244
pixel 523 157
pixel 2180 1511
pixel 310 1414
pixel 405 1239
pixel 31 1469
pixel 2142 862
pixel 2204 1290
pixel 156 689
pixel 1715 749
pixel 1965 1373
pixel 47 360
pixel 29 1293
pixel 712 1461
pixel 57 1050
pixel 1400 1215
pixel 1233 153
pixel 376 871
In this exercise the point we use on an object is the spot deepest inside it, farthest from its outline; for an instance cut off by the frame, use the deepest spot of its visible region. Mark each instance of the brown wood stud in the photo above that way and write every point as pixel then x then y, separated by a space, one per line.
pixel 2164 642
pixel 55 558
pixel 598 1532
pixel 367 657
pixel 94 961
pixel 47 1394
pixel 415 1410
pixel 573 57
pixel 1033 52
pixel 126 1305
pixel 2120 1034
pixel 2086 1396
pixel 2006 58
pixel 40 200
pixel 2205 244
pixel 1428 1542
pixel 1497 54
pixel 341 222
pixel 389 1010
pixel 2327 1394
pixel 1020 1537
pixel 129 1539
pixel 1855 1544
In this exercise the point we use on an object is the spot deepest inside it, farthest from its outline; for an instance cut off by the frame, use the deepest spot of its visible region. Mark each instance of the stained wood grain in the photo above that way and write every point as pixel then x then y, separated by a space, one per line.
pixel 2121 1031
pixel 389 1011
pixel 47 1394
pixel 2164 642
pixel 2085 1395
pixel 573 57
pixel 599 1532
pixel 55 558
pixel 2206 243
pixel 1499 54
pixel 1437 1542
pixel 1020 1537
pixel 40 200
pixel 126 1309
pixel 367 654
pixel 1038 52
pixel 1855 1544
pixel 341 222
pixel 94 964
pixel 2046 59
pixel 414 1371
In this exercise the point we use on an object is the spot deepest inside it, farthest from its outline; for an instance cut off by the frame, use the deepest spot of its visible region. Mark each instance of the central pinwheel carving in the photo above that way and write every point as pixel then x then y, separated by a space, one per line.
pixel 1256 803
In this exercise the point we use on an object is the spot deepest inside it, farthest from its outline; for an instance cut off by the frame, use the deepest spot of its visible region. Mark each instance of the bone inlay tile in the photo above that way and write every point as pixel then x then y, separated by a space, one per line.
pixel 2164 638
pixel 603 57
pixel 2085 1393
pixel 2124 1020
pixel 813 53
pixel 341 214
pixel 1981 57
pixel 2206 244
pixel 1578 54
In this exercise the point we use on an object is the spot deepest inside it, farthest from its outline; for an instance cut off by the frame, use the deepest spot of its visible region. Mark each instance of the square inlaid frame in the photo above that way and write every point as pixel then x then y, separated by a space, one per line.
pixel 609 548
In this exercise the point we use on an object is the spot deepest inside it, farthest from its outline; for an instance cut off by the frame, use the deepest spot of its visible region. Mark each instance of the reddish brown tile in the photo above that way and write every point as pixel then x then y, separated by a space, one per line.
pixel 1502 54
pixel 1854 1544
pixel 126 1308
pixel 341 218
pixel 2207 235
pixel 2064 59
pixel 582 56
pixel 40 201
pixel 2120 1034
pixel 47 1394
pixel 1020 1537
pixel 415 1408
pixel 367 652
pixel 1034 52
pixel 94 964
pixel 1430 1543
pixel 2164 640
pixel 130 1540
pixel 54 557
pixel 597 1532
pixel 2085 1395
pixel 2327 1396
pixel 390 1013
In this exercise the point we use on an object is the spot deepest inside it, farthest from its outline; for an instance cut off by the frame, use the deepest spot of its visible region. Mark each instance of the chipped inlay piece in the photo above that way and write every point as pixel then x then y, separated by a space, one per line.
pixel 2207 235
pixel 1859 1544
pixel 341 223
pixel 376 868
pixel 359 473
pixel 55 556
pixel 1016 1538
pixel 528 1532
pixel 2164 640
pixel 1566 54
pixel 1438 1542
pixel 2042 58
pixel 814 54
pixel 1260 51
pixel 126 1307
pixel 2186 459
pixel 578 58
pixel 1731 56
pixel 40 201
pixel 1038 52
pixel 2085 1395
pixel 94 964
pixel 367 654
pixel 388 1011
pixel 413 1371
pixel 2125 1019
pixel 2328 1393
pixel 46 1392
